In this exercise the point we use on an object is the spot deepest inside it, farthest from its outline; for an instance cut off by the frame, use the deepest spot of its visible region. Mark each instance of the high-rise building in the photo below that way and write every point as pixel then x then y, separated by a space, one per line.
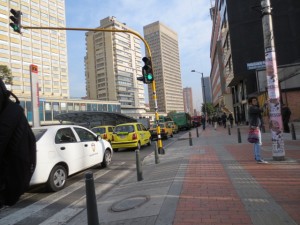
pixel 45 48
pixel 163 43
pixel 112 65
pixel 188 100
pixel 207 89
pixel 238 54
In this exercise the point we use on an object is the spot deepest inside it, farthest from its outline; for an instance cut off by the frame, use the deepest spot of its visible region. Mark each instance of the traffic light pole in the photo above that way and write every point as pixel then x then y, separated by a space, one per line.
pixel 159 141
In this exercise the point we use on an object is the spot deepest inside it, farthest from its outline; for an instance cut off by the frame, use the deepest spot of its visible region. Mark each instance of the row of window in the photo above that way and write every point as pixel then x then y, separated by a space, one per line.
pixel 48 110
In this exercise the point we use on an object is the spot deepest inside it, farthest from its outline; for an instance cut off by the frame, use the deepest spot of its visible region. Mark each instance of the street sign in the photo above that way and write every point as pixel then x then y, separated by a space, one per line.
pixel 34 68
pixel 256 65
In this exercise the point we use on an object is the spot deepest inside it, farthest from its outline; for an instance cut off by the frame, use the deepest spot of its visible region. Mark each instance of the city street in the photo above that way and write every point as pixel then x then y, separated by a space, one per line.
pixel 37 205
pixel 214 181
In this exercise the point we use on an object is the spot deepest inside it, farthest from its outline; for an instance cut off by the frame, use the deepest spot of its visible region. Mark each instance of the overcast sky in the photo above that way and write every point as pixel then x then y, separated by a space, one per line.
pixel 189 18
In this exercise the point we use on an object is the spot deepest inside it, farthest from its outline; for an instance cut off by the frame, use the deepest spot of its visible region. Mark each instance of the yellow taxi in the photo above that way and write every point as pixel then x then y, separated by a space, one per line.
pixel 130 135
pixel 106 132
pixel 165 131
pixel 173 126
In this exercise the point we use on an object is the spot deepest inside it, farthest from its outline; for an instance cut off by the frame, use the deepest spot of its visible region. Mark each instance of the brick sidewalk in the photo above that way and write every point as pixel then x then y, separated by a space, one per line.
pixel 226 186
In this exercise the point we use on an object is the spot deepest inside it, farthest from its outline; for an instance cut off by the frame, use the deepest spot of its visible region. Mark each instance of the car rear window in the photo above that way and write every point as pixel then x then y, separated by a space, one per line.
pixel 125 128
pixel 38 133
pixel 100 130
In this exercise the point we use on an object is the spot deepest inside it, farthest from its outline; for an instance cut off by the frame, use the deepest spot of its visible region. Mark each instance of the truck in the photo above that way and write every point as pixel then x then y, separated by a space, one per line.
pixel 182 119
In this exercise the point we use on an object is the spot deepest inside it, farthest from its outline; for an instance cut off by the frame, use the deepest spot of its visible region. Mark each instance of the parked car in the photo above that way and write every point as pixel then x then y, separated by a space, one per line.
pixel 106 132
pixel 130 135
pixel 165 131
pixel 173 126
pixel 63 150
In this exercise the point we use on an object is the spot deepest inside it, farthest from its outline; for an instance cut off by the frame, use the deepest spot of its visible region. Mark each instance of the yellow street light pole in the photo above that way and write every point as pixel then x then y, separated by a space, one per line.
pixel 159 141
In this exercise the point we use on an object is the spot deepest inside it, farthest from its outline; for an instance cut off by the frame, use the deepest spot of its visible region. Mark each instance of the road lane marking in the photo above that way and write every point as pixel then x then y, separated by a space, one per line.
pixel 43 203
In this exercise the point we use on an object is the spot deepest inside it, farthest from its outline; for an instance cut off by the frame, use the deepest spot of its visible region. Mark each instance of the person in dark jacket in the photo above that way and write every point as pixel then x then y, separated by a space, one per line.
pixel 17 149
pixel 230 118
pixel 203 121
pixel 255 122
pixel 286 114
pixel 224 119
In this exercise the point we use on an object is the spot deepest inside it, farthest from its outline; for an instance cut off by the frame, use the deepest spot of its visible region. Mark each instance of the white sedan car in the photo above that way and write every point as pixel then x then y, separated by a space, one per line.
pixel 63 150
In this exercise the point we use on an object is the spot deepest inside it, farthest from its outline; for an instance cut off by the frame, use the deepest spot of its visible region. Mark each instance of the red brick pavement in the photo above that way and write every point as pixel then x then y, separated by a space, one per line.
pixel 281 180
pixel 208 196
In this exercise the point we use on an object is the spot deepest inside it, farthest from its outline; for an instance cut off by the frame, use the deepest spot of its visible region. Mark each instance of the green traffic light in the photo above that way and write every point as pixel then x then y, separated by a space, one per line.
pixel 149 77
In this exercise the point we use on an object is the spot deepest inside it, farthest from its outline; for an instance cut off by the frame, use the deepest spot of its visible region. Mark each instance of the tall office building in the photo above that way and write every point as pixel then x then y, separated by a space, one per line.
pixel 165 59
pixel 207 89
pixel 188 100
pixel 112 65
pixel 45 48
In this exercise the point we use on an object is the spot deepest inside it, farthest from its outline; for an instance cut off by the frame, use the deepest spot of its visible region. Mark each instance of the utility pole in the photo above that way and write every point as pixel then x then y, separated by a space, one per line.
pixel 203 91
pixel 276 127
pixel 204 97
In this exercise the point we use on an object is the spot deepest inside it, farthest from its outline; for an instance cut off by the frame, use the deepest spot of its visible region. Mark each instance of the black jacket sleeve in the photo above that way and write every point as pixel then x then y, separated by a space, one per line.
pixel 9 118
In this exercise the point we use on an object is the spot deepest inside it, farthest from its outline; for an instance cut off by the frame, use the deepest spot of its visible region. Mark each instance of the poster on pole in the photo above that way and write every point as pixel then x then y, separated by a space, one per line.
pixel 276 125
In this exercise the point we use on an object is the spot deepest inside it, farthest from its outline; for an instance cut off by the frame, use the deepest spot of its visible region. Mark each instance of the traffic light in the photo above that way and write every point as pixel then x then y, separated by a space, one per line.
pixel 16 19
pixel 141 79
pixel 147 71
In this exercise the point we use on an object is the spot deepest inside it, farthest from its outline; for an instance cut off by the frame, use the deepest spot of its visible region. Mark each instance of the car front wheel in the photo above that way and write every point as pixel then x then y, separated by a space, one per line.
pixel 57 178
pixel 106 158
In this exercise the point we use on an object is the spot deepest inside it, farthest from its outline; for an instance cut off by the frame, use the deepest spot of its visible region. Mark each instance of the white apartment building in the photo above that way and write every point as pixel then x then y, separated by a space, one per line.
pixel 45 48
pixel 112 64
pixel 166 67
pixel 188 100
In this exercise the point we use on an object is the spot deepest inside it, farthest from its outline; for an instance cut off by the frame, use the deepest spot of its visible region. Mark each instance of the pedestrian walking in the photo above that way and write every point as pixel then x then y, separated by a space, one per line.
pixel 230 118
pixel 203 121
pixel 224 119
pixel 215 121
pixel 286 115
pixel 255 122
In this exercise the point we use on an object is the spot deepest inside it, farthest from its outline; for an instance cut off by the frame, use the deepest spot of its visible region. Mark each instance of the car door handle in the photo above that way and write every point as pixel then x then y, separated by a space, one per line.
pixel 86 145
pixel 62 148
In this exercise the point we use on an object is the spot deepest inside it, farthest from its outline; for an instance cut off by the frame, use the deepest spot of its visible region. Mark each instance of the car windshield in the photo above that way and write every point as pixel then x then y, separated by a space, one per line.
pixel 38 133
pixel 162 125
pixel 100 130
pixel 124 128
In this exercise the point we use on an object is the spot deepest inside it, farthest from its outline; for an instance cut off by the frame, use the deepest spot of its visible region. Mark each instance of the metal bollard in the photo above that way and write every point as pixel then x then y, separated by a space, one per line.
pixel 91 203
pixel 239 135
pixel 156 153
pixel 229 131
pixel 197 131
pixel 139 169
pixel 190 139
pixel 293 132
